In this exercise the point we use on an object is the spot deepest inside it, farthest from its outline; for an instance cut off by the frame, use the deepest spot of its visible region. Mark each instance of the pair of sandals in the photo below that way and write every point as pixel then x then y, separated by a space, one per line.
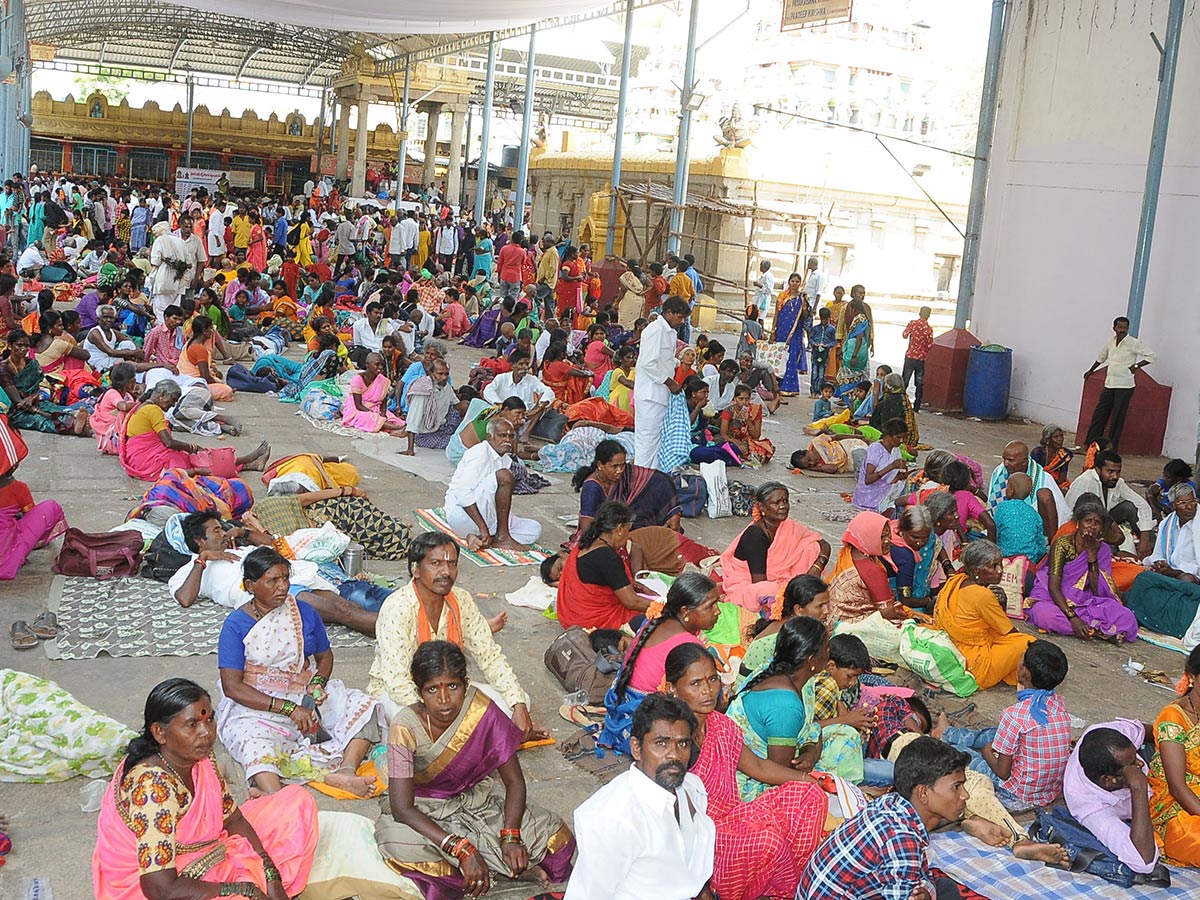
pixel 26 636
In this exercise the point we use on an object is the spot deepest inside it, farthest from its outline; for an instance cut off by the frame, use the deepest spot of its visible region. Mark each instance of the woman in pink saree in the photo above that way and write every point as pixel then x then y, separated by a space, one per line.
pixel 365 404
pixel 147 448
pixel 168 816
pixel 442 754
pixel 769 552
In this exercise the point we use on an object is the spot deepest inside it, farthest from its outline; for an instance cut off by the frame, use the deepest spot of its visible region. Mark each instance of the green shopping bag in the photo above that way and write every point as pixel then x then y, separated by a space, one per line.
pixel 933 656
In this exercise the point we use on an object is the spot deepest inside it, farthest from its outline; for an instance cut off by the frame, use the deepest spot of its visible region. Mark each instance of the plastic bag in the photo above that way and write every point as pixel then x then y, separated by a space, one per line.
pixel 719 503
pixel 933 656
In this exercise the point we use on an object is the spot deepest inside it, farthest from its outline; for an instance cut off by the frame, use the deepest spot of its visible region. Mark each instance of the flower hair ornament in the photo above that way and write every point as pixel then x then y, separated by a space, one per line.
pixel 655 610
pixel 1184 685
pixel 776 611
pixel 756 511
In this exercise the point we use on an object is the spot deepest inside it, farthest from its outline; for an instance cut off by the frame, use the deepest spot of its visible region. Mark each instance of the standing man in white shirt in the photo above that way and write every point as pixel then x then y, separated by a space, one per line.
pixel 764 289
pixel 814 282
pixel 1124 355
pixel 646 835
pixel 215 231
pixel 654 382
pixel 479 498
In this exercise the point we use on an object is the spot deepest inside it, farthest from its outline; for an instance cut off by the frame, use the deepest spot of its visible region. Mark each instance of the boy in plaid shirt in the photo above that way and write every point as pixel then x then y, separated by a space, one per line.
pixel 1026 755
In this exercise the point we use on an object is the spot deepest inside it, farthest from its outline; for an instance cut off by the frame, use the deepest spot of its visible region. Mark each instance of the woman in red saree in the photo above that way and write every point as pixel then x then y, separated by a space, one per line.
pixel 596 589
pixel 770 551
pixel 762 846
pixel 168 816
pixel 441 754
pixel 569 383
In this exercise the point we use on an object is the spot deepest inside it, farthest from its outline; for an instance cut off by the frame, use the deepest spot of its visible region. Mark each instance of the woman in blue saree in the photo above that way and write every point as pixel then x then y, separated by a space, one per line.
pixel 446 828
pixel 856 349
pixel 792 321
pixel 917 553
pixel 139 221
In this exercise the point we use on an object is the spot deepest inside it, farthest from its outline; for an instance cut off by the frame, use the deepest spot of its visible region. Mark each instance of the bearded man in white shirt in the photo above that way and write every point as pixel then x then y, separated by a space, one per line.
pixel 646 835
pixel 1124 355
pixel 654 382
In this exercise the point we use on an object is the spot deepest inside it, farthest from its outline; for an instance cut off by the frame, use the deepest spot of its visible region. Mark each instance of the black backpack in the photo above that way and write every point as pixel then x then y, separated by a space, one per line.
pixel 162 560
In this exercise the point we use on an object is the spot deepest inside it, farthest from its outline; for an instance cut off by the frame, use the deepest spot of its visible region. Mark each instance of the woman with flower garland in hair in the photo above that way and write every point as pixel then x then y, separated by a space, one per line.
pixel 762 846
pixel 770 551
pixel 776 710
pixel 805 595
pixel 1175 771
pixel 689 609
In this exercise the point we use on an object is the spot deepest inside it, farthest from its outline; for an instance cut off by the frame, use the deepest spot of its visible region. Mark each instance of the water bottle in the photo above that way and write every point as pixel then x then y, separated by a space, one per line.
pixel 379 757
pixel 38 889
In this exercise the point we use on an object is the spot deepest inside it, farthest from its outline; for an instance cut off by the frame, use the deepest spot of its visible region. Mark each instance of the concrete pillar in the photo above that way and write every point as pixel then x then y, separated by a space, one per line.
pixel 68 146
pixel 358 182
pixel 454 173
pixel 433 115
pixel 343 141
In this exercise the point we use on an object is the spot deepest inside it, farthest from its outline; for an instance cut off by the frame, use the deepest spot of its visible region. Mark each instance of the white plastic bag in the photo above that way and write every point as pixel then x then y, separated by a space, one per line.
pixel 719 504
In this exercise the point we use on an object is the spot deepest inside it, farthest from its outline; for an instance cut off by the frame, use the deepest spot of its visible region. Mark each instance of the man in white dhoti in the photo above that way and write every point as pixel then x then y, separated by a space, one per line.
pixel 654 384
pixel 479 499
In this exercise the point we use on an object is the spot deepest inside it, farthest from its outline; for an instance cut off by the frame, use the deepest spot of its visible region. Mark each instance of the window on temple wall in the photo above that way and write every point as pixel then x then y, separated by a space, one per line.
pixel 853 114
pixel 93 159
pixel 148 165
pixel 46 155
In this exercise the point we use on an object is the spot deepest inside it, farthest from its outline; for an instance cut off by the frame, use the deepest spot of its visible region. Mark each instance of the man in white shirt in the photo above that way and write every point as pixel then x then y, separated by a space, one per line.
pixel 1124 355
pixel 367 334
pixel 479 498
pixel 1166 597
pixel 1046 497
pixel 543 341
pixel 654 383
pixel 814 282
pixel 31 260
pixel 344 244
pixel 518 383
pixel 409 235
pixel 1125 505
pixel 216 231
pixel 764 289
pixel 177 265
pixel 646 835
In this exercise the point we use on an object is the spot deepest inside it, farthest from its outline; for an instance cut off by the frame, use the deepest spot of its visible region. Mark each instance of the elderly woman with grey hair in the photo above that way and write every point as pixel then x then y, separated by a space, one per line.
pixel 1053 457
pixel 918 556
pixel 1166 597
pixel 147 446
pixel 970 610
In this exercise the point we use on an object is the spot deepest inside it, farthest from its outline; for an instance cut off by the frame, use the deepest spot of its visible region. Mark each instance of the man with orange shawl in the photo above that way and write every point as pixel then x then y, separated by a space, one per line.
pixel 769 552
pixel 428 608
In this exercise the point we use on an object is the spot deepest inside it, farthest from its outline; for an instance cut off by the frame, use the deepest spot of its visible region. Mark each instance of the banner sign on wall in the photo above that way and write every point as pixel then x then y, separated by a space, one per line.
pixel 807 13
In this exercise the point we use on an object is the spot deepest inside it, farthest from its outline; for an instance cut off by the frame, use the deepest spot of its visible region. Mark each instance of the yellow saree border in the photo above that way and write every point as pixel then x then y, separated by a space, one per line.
pixel 438 869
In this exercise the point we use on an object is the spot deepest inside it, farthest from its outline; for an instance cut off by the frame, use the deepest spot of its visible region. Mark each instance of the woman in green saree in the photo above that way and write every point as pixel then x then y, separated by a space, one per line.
pixel 21 380
pixel 856 349
pixel 776 710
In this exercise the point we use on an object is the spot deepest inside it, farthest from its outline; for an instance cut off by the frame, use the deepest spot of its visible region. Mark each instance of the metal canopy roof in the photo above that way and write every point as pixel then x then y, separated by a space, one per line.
pixel 152 35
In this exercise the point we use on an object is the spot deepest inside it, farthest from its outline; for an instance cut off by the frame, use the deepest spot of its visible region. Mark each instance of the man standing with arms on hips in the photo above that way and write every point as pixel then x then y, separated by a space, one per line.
pixel 653 383
pixel 647 833
pixel 1124 355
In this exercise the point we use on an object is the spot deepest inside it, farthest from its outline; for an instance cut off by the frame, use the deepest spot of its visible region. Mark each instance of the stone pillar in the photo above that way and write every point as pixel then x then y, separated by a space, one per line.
pixel 358 180
pixel 454 172
pixel 433 115
pixel 343 140
pixel 123 163
pixel 67 147
pixel 272 176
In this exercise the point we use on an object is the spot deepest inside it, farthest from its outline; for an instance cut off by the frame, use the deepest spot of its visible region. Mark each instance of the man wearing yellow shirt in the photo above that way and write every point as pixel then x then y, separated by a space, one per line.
pixel 681 285
pixel 241 230
pixel 547 273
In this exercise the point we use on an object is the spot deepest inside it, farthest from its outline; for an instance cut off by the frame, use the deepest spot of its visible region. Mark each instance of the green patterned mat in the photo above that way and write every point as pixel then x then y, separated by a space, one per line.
pixel 139 617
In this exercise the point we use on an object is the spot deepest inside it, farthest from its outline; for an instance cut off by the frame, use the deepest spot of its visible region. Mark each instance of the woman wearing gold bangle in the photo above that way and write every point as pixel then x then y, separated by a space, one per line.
pixel 442 752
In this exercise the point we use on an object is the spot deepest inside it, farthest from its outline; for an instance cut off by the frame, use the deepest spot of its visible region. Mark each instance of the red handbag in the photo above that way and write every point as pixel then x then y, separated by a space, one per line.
pixel 110 554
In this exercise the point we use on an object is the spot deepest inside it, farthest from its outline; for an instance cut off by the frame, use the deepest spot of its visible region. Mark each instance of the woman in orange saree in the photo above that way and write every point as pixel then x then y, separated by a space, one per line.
pixel 168 816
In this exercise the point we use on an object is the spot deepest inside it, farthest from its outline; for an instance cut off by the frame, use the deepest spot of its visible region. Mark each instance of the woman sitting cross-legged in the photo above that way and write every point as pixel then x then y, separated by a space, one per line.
pixel 1175 772
pixel 972 615
pixel 147 447
pixel 762 846
pixel 273 654
pixel 21 381
pixel 805 595
pixel 365 406
pixel 1074 591
pixel 770 551
pixel 446 828
pixel 776 710
pixel 596 588
pixel 689 610
pixel 649 492
pixel 169 827
pixel 918 556
pixel 860 585
pixel 196 361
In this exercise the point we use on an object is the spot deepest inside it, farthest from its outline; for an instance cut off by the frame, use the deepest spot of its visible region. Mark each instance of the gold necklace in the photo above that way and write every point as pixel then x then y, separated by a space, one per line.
pixel 170 768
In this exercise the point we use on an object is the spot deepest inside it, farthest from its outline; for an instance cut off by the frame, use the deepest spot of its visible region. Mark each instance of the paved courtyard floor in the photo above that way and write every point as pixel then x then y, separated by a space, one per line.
pixel 53 838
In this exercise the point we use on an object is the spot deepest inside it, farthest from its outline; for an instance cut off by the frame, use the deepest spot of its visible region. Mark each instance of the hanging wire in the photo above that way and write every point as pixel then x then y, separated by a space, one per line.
pixel 1116 3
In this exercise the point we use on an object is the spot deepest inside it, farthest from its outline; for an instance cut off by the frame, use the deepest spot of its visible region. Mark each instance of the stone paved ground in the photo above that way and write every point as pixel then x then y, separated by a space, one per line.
pixel 54 839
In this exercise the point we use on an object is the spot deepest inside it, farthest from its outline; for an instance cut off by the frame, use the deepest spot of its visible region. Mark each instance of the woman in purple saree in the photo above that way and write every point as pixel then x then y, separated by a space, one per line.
pixel 485 329
pixel 1074 592
pixel 443 826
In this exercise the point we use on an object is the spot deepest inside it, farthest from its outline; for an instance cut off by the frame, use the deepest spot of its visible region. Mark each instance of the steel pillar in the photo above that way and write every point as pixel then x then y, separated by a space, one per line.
pixel 402 157
pixel 618 138
pixel 685 129
pixel 191 111
pixel 343 142
pixel 1154 166
pixel 983 155
pixel 489 86
pixel 526 125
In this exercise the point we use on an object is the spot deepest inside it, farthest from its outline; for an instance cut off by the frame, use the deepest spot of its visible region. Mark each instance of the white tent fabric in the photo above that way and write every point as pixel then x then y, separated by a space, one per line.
pixel 398 16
